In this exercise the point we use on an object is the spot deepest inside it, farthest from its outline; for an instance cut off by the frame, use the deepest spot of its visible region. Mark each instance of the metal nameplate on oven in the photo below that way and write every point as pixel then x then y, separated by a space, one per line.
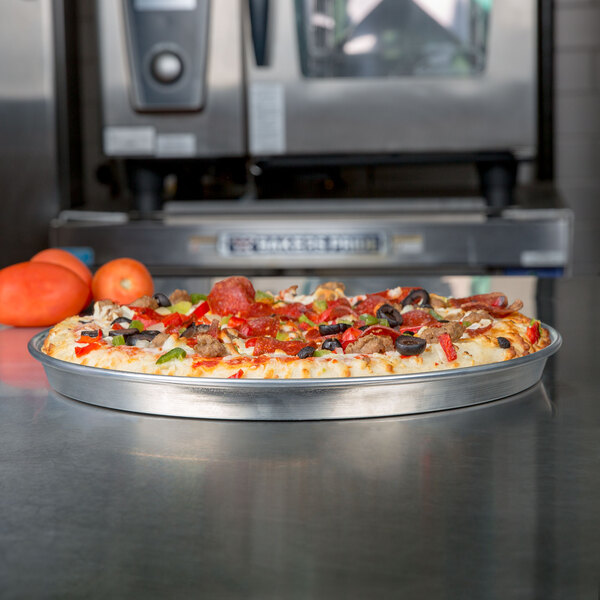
pixel 299 244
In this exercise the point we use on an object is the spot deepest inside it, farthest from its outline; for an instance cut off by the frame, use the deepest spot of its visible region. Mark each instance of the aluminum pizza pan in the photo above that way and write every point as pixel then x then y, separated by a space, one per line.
pixel 293 399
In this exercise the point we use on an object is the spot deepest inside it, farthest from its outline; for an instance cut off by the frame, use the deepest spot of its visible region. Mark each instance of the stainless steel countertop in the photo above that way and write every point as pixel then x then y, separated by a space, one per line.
pixel 495 501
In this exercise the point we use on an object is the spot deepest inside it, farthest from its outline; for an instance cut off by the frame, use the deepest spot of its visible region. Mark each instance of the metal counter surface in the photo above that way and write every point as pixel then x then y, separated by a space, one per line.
pixel 494 501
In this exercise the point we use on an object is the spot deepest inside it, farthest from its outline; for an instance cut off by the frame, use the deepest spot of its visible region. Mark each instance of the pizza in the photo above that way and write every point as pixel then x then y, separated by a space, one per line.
pixel 238 332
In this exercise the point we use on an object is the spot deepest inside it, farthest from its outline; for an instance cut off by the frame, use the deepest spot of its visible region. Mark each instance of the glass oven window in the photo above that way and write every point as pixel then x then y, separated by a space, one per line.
pixel 393 38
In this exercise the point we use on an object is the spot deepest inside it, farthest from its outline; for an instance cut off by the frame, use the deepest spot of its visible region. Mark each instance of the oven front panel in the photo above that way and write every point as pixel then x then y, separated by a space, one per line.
pixel 373 86
pixel 171 78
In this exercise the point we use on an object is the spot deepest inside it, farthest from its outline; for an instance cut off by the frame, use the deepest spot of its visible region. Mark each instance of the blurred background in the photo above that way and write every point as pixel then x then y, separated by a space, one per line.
pixel 359 137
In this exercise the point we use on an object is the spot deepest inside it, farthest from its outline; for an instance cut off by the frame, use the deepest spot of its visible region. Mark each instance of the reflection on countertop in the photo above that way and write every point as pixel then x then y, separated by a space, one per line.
pixel 493 501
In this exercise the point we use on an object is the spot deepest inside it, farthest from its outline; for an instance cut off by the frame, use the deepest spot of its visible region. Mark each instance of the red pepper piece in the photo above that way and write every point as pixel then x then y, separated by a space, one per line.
pixel 83 350
pixel 91 338
pixel 447 346
pixel 201 310
pixel 533 332
pixel 350 335
pixel 238 375
pixel 236 322
pixel 173 320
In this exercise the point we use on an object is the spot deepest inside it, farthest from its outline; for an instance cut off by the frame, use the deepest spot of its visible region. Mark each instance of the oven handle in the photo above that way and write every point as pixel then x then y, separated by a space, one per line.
pixel 259 20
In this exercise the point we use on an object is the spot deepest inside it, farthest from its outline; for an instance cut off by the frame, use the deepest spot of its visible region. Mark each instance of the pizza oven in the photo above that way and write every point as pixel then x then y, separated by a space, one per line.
pixel 317 136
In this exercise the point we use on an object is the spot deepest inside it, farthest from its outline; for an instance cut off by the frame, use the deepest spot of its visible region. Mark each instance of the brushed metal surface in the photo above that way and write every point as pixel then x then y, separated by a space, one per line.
pixel 494 501
pixel 28 168
pixel 533 238
pixel 293 399
pixel 495 110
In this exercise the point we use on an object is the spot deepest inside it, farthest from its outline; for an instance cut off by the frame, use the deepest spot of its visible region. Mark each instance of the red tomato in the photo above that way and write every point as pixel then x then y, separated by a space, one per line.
pixel 37 294
pixel 122 280
pixel 64 259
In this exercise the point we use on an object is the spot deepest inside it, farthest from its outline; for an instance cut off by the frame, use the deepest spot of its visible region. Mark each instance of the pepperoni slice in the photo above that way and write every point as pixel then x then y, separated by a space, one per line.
pixel 266 345
pixel 294 310
pixel 334 312
pixel 259 326
pixel 259 309
pixel 495 311
pixel 234 295
pixel 494 299
pixel 370 305
pixel 147 316
pixel 414 318
pixel 381 330
pixel 475 332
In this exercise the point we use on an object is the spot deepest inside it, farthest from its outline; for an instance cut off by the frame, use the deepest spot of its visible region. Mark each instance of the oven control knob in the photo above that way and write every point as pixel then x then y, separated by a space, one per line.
pixel 166 67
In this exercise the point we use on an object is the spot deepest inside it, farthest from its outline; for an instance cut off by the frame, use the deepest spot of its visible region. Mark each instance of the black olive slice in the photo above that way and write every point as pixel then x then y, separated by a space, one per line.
pixel 334 328
pixel 121 320
pixel 123 332
pixel 193 330
pixel 147 336
pixel 363 327
pixel 92 333
pixel 419 296
pixel 162 299
pixel 503 342
pixel 410 345
pixel 331 344
pixel 306 352
pixel 393 316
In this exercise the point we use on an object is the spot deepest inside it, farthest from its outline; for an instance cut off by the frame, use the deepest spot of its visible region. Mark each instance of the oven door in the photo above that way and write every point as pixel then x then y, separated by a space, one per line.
pixel 387 76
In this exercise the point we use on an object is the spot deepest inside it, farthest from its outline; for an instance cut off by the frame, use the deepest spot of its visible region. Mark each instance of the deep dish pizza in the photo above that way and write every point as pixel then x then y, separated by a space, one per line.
pixel 238 332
